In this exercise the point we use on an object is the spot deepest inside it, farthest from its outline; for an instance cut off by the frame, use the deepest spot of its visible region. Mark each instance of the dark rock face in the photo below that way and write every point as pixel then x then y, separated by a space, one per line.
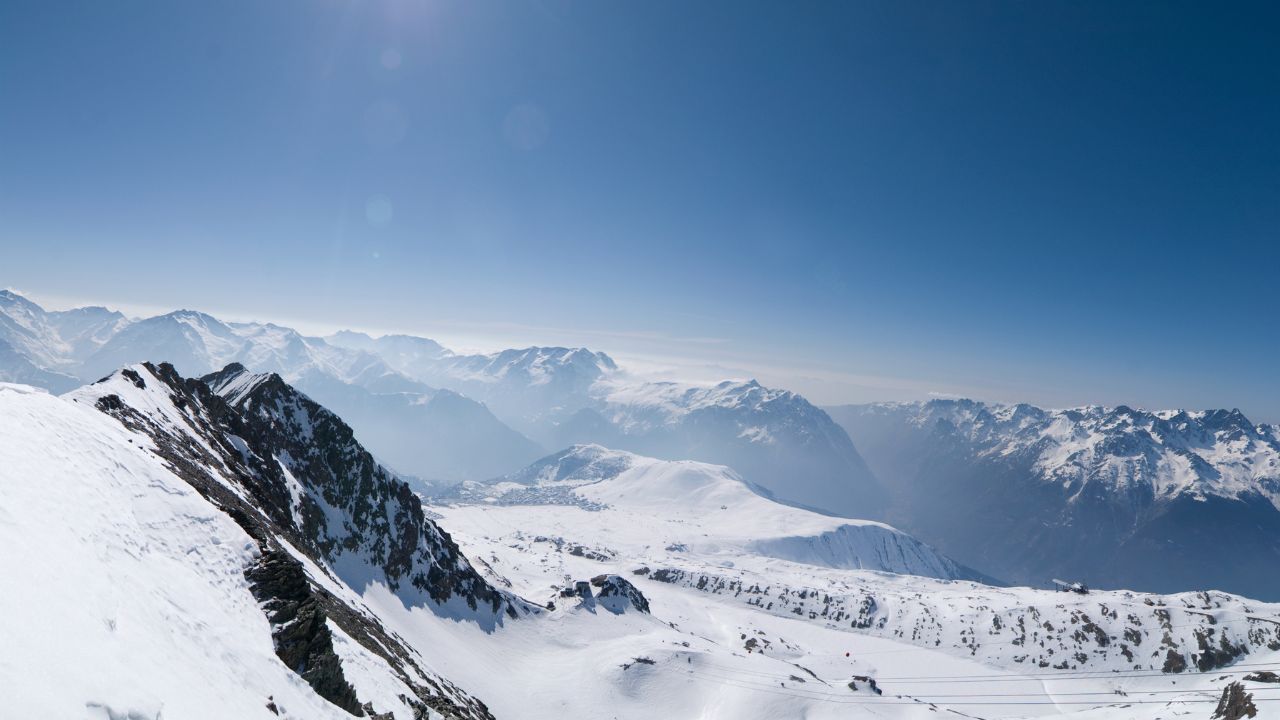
pixel 867 680
pixel 286 470
pixel 382 520
pixel 1235 703
pixel 302 638
pixel 1174 662
pixel 616 591
pixel 1215 655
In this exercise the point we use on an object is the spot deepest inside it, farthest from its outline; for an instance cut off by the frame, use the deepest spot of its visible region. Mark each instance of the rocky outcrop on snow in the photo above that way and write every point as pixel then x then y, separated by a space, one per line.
pixel 617 595
pixel 1165 501
pixel 1235 703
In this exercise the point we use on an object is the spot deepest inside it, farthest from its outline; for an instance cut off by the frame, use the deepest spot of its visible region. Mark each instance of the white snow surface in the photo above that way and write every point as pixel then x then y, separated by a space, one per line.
pixel 740 638
pixel 705 508
pixel 125 594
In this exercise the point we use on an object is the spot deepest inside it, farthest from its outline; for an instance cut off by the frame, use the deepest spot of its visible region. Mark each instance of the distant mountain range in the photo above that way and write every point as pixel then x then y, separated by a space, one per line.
pixel 443 417
pixel 1116 497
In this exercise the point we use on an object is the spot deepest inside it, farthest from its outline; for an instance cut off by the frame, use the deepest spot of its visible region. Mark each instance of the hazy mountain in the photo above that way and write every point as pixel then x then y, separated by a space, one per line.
pixel 53 341
pixel 774 438
pixel 16 367
pixel 566 396
pixel 533 389
pixel 430 434
pixel 413 356
pixel 420 430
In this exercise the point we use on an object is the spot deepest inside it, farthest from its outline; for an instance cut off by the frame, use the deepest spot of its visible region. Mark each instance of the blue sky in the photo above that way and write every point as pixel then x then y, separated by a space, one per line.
pixel 1062 203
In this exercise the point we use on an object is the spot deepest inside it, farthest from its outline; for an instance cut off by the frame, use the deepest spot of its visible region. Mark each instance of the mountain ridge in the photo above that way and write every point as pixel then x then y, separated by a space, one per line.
pixel 1160 500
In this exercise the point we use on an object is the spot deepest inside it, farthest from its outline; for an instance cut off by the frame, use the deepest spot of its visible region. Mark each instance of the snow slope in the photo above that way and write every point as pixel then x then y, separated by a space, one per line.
pixel 326 523
pixel 764 637
pixel 126 594
pixel 701 508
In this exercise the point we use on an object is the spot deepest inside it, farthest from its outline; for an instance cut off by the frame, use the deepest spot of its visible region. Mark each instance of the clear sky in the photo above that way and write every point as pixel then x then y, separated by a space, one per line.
pixel 1058 202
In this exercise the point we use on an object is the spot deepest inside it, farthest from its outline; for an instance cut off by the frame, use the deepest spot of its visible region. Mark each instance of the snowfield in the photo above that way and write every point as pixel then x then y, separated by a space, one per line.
pixel 719 652
pixel 125 594
pixel 626 499
pixel 703 547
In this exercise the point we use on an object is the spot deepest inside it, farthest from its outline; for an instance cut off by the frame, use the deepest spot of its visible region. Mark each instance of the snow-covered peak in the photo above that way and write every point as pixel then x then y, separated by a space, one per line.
pixel 677 399
pixel 577 465
pixel 19 308
pixel 536 366
pixel 197 343
pixel 301 466
pixel 235 383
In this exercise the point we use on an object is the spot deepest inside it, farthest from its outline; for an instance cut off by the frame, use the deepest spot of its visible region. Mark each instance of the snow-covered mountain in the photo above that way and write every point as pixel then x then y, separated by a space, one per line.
pixel 211 508
pixel 565 396
pixel 531 388
pixel 1121 497
pixel 225 548
pixel 44 348
pixel 774 438
pixel 697 507
pixel 445 417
